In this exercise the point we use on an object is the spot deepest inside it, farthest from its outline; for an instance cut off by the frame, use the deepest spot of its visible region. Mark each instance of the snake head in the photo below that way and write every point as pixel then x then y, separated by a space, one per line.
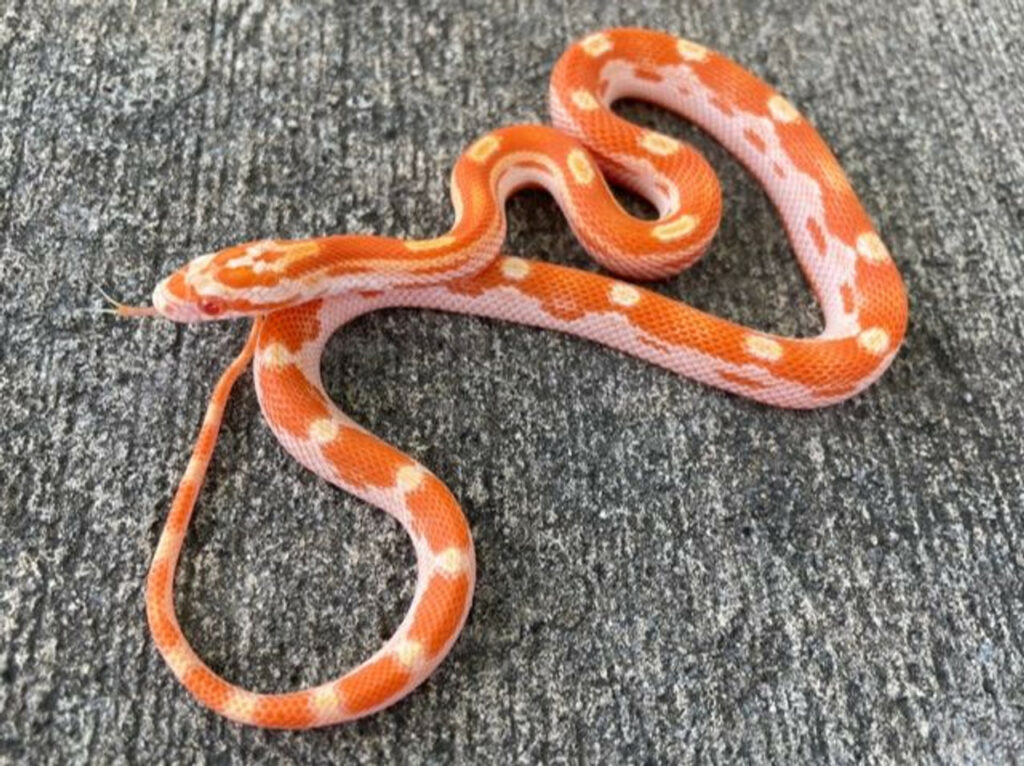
pixel 243 280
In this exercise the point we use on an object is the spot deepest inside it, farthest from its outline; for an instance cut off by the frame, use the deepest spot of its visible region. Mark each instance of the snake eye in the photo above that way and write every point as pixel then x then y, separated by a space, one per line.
pixel 211 307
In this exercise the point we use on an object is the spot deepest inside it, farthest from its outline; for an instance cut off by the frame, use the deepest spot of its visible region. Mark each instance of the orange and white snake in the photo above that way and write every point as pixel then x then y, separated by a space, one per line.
pixel 300 291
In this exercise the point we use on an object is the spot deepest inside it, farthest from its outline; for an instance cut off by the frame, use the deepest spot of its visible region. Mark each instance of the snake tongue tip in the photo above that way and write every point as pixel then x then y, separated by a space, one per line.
pixel 122 309
pixel 135 311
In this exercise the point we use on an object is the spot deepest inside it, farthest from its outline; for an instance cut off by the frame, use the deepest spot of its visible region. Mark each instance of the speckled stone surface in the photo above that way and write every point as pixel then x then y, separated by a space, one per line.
pixel 666 572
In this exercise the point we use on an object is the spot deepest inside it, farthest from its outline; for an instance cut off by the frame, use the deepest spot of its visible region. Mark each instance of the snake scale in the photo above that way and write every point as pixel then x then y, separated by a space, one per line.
pixel 299 292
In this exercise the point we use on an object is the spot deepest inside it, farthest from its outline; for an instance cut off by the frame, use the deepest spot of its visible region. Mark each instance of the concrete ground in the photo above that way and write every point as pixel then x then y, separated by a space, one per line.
pixel 666 572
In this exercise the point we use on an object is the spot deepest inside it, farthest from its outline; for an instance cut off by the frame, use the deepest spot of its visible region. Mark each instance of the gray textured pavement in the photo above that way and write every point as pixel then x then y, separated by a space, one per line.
pixel 666 572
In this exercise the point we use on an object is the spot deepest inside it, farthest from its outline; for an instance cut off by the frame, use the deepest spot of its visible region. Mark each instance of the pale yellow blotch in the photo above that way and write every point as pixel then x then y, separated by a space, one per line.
pixel 871 248
pixel 417 245
pixel 763 348
pixel 409 653
pixel 658 144
pixel 241 705
pixel 452 561
pixel 585 100
pixel 835 177
pixel 325 700
pixel 874 340
pixel 596 44
pixel 276 355
pixel 484 148
pixel 214 411
pixel 457 202
pixel 624 295
pixel 676 229
pixel 479 196
pixel 291 252
pixel 691 51
pixel 239 260
pixel 261 247
pixel 179 660
pixel 301 248
pixel 323 430
pixel 782 110
pixel 194 469
pixel 168 541
pixel 580 166
pixel 197 264
pixel 409 477
pixel 515 269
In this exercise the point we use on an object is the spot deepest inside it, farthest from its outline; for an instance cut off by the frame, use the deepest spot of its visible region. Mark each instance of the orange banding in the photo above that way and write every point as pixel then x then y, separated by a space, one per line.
pixel 300 291
pixel 283 711
pixel 440 611
pixel 373 684
pixel 361 459
pixel 207 687
pixel 436 515
pixel 303 402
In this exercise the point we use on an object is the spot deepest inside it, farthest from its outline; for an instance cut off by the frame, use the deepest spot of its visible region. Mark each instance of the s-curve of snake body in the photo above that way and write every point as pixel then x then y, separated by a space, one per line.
pixel 299 292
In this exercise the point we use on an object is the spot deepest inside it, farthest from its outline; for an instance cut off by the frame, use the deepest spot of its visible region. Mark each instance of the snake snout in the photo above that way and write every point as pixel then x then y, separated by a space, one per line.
pixel 168 301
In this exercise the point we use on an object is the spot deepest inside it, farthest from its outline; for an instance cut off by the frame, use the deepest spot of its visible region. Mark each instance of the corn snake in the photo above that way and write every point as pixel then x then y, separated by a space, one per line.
pixel 301 291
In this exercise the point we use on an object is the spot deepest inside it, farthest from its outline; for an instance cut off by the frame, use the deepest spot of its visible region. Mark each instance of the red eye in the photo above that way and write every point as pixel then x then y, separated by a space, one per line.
pixel 211 307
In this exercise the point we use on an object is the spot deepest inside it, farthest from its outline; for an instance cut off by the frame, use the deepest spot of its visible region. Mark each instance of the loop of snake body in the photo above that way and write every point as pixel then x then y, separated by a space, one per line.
pixel 300 291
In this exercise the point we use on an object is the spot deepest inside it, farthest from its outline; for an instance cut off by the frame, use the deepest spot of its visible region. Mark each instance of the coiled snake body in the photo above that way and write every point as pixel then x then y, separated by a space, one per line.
pixel 300 291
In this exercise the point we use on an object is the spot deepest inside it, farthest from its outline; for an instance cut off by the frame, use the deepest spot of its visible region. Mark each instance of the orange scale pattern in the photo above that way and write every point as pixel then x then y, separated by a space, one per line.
pixel 299 292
